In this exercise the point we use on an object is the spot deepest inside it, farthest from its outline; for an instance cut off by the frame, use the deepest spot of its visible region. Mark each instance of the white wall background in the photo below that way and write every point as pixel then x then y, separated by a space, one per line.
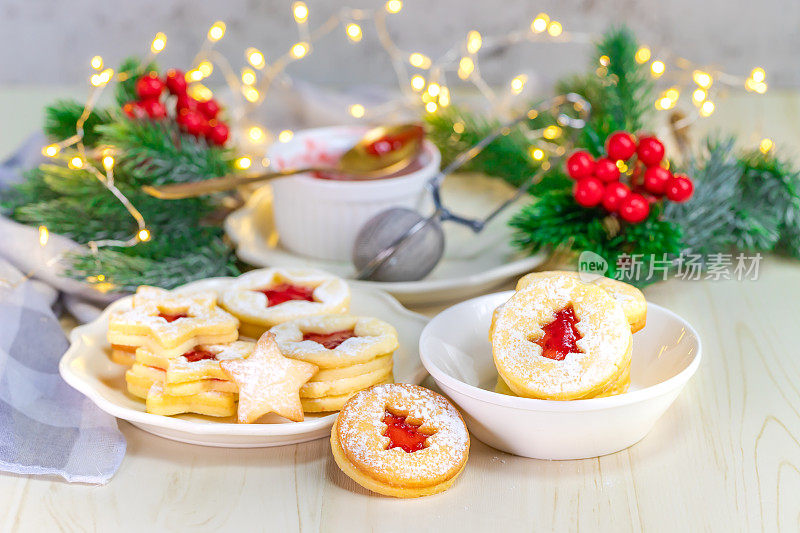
pixel 51 41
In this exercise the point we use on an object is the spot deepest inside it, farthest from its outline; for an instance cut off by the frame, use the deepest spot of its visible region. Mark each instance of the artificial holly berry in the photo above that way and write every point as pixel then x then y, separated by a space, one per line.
pixel 193 122
pixel 634 209
pixel 149 86
pixel 613 195
pixel 680 188
pixel 588 192
pixel 580 165
pixel 209 108
pixel 620 145
pixel 176 81
pixel 154 109
pixel 656 179
pixel 185 103
pixel 606 170
pixel 650 151
pixel 218 133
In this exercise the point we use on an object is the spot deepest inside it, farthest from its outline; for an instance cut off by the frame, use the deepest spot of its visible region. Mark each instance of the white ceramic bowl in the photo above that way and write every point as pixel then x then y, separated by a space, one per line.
pixel 321 218
pixel 455 349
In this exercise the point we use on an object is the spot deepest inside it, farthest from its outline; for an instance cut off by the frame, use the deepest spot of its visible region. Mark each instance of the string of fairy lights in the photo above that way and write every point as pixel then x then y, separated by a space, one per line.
pixel 424 86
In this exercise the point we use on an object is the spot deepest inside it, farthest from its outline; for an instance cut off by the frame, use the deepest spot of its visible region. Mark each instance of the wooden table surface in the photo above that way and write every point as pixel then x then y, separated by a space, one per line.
pixel 724 457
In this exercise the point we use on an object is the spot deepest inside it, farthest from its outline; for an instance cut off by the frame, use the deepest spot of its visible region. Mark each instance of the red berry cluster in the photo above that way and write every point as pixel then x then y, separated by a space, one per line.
pixel 598 182
pixel 198 118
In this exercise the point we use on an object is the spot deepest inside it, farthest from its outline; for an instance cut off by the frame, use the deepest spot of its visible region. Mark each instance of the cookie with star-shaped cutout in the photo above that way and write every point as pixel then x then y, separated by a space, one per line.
pixel 169 323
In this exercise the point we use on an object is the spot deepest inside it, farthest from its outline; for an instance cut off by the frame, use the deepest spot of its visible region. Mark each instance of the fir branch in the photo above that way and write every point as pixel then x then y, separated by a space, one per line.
pixel 620 92
pixel 768 204
pixel 555 221
pixel 507 157
pixel 157 152
pixel 189 254
pixel 707 219
pixel 627 86
pixel 62 117
pixel 129 71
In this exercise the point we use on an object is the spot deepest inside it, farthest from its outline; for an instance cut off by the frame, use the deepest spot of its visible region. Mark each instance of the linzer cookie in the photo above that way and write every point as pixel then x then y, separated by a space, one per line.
pixel 193 372
pixel 560 339
pixel 264 298
pixel 400 440
pixel 353 353
pixel 169 324
pixel 210 403
pixel 632 300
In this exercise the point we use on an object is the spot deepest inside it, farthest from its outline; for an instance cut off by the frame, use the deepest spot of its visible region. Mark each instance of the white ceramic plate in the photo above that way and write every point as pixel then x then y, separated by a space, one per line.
pixel 455 350
pixel 471 265
pixel 87 368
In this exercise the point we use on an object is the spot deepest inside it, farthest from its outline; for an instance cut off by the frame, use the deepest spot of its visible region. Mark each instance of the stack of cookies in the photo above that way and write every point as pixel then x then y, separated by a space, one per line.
pixel 161 327
pixel 352 353
pixel 193 382
pixel 565 337
pixel 184 356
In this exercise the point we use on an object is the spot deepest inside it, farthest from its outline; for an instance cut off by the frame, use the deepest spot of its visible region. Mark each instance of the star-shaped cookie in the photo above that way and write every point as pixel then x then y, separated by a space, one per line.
pixel 268 382
pixel 170 323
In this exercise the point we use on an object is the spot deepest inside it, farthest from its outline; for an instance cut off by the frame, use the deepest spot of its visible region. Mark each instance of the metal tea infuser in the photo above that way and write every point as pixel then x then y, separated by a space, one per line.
pixel 400 244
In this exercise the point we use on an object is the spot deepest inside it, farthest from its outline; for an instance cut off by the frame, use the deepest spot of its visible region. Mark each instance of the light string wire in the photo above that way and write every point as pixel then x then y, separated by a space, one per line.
pixel 252 84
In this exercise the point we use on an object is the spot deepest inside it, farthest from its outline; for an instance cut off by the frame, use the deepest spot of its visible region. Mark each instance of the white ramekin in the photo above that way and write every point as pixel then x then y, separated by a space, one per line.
pixel 321 218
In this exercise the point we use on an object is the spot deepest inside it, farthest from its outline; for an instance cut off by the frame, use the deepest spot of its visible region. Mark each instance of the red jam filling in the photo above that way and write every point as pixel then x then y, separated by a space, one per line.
pixel 286 292
pixel 389 143
pixel 172 318
pixel 330 340
pixel 403 434
pixel 560 336
pixel 199 355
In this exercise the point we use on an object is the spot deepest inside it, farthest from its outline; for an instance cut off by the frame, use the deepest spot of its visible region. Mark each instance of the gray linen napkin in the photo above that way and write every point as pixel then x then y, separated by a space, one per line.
pixel 46 426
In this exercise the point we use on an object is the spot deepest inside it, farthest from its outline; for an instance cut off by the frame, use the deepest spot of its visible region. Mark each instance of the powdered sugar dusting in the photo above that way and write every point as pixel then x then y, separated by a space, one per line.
pixel 634 304
pixel 331 295
pixel 373 338
pixel 605 339
pixel 268 382
pixel 361 434
pixel 143 318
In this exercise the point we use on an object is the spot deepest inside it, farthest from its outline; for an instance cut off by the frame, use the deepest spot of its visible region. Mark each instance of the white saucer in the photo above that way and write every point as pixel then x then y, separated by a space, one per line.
pixel 455 350
pixel 472 263
pixel 87 368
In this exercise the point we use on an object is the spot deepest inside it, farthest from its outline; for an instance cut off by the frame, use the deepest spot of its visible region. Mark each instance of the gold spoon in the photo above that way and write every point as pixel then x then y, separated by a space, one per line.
pixel 380 152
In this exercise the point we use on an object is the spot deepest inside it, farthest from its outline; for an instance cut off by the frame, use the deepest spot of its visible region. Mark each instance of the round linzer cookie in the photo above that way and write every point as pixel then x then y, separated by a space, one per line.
pixel 560 339
pixel 335 341
pixel 400 440
pixel 263 298
pixel 632 300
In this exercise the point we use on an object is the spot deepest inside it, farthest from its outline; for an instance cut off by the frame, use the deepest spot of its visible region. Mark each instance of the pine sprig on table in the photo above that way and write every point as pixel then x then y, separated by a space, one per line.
pixel 189 254
pixel 455 130
pixel 555 221
pixel 62 117
pixel 73 203
pixel 768 204
pixel 707 219
pixel 618 88
pixel 157 152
